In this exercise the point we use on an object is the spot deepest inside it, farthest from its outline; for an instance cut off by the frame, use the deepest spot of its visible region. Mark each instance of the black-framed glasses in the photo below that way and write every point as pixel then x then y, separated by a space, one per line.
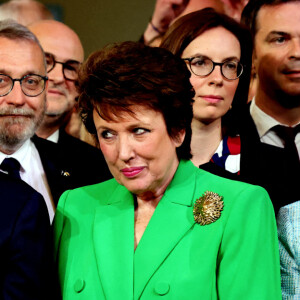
pixel 70 67
pixel 203 66
pixel 32 85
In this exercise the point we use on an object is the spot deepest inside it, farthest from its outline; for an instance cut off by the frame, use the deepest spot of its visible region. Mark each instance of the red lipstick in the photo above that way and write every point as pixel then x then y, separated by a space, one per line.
pixel 132 172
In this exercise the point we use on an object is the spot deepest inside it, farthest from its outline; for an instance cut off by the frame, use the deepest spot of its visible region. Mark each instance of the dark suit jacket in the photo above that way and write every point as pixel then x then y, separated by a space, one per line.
pixel 87 158
pixel 267 166
pixel 70 164
pixel 25 252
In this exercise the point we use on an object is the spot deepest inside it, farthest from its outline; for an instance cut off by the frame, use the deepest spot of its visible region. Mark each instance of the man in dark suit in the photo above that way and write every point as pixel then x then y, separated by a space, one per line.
pixel 270 136
pixel 45 166
pixel 64 55
pixel 25 272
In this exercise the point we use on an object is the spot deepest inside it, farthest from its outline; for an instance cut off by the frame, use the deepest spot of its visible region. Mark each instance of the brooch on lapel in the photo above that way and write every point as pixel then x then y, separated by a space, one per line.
pixel 208 208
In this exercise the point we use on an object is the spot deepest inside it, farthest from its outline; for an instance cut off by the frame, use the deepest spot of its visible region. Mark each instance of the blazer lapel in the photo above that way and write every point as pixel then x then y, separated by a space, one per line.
pixel 114 244
pixel 172 219
pixel 59 177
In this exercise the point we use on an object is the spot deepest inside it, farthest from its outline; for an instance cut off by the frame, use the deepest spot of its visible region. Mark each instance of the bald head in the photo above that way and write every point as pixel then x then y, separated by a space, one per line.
pixel 57 38
pixel 65 47
pixel 24 12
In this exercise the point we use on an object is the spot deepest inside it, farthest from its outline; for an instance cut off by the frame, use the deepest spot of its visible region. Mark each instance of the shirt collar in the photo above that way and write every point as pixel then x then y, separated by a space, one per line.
pixel 22 155
pixel 263 121
pixel 54 137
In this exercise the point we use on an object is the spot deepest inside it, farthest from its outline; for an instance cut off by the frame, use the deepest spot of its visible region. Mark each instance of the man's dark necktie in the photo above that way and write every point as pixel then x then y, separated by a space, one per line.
pixel 12 167
pixel 288 134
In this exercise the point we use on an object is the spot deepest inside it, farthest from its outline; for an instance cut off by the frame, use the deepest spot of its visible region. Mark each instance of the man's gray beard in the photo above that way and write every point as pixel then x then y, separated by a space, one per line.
pixel 12 141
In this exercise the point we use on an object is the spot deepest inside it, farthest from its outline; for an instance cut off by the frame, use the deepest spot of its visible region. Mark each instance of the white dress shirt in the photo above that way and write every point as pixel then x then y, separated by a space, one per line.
pixel 32 172
pixel 264 124
pixel 54 137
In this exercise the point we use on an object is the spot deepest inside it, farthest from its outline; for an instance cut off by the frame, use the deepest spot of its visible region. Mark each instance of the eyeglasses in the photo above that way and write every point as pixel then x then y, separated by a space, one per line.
pixel 203 66
pixel 32 85
pixel 70 67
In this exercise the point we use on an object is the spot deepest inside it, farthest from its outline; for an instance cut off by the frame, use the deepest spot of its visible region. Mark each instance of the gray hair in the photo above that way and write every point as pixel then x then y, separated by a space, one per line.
pixel 12 30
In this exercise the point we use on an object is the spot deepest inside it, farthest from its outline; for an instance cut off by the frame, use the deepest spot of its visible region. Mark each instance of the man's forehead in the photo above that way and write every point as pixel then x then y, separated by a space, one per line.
pixel 20 56
pixel 280 18
pixel 62 51
pixel 59 40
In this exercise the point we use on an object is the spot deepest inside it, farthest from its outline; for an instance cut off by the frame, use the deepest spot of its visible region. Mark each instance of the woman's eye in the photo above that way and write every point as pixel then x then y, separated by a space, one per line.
pixel 106 134
pixel 231 65
pixel 199 62
pixel 140 131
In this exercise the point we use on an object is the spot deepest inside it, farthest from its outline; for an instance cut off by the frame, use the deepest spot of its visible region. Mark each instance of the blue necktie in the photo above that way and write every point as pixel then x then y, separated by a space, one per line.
pixel 12 167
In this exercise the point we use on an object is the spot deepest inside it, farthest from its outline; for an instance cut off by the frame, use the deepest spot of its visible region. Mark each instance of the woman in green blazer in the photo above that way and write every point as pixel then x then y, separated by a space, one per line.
pixel 162 228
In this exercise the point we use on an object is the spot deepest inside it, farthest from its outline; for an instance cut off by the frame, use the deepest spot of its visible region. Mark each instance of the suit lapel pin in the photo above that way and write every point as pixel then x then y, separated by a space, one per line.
pixel 208 208
pixel 65 173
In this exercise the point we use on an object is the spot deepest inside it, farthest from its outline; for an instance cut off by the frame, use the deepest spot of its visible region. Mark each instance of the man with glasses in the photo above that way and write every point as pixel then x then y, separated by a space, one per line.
pixel 24 226
pixel 64 55
pixel 23 82
pixel 47 167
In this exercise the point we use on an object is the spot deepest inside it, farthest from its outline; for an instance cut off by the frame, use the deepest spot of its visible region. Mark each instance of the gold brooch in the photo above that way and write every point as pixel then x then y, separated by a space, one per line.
pixel 207 209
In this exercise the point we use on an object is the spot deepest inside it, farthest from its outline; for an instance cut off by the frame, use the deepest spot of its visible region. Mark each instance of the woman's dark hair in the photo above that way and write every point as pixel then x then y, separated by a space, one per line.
pixel 123 75
pixel 189 27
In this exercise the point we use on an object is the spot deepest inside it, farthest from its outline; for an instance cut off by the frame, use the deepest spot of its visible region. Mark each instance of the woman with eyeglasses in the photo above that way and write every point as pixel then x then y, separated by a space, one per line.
pixel 217 51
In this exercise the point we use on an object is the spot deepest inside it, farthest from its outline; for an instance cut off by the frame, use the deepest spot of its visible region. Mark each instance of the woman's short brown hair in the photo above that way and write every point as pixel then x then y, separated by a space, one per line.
pixel 190 26
pixel 126 74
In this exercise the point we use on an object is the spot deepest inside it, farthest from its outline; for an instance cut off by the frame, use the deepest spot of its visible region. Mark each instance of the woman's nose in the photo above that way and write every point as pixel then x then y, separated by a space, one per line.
pixel 126 151
pixel 216 77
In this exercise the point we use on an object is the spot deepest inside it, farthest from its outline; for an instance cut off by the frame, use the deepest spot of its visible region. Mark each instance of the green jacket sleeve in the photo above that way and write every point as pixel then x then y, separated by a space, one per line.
pixel 248 260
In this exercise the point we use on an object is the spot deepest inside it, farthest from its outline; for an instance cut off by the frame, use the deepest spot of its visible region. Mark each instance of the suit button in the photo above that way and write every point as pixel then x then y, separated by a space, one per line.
pixel 162 288
pixel 79 285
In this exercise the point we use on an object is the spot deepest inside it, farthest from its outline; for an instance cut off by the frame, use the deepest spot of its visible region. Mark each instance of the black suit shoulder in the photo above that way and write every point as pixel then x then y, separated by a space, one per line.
pixel 217 170
pixel 266 165
pixel 84 159
pixel 70 164
pixel 56 167
pixel 25 239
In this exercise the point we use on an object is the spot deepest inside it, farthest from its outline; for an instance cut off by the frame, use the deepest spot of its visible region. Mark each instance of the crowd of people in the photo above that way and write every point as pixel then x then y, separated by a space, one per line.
pixel 164 167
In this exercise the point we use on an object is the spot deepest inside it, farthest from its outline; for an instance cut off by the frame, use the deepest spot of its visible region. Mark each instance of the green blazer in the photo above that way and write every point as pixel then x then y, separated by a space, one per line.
pixel 236 257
